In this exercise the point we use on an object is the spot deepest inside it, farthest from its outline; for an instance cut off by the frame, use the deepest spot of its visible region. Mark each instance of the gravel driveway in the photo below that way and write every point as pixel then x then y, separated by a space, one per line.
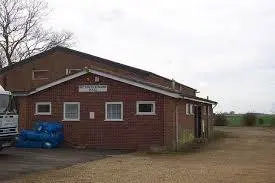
pixel 247 155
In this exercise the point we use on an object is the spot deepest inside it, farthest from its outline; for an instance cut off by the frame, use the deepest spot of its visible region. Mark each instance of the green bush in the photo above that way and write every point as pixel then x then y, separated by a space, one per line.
pixel 249 119
pixel 261 121
pixel 272 122
pixel 220 120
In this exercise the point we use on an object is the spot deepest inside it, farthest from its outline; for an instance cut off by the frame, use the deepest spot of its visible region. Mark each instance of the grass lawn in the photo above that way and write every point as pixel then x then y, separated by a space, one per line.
pixel 236 120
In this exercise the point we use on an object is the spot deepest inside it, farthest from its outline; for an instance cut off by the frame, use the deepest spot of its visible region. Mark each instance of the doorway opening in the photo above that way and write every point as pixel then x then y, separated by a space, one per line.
pixel 197 118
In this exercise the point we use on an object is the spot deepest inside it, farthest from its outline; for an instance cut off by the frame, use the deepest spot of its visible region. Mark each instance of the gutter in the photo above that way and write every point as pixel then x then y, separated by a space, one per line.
pixel 198 100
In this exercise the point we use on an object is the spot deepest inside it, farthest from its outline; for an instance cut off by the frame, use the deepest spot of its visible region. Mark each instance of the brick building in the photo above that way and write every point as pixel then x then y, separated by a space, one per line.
pixel 105 104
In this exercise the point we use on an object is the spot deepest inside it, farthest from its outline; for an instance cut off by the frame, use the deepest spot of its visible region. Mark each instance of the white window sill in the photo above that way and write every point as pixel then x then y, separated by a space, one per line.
pixel 71 120
pixel 111 120
pixel 146 114
pixel 37 114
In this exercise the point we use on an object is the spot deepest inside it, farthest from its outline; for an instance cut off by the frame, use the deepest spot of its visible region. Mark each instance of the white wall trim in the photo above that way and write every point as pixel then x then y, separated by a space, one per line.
pixel 106 116
pixel 43 113
pixel 187 109
pixel 69 70
pixel 145 113
pixel 33 71
pixel 67 119
pixel 56 82
pixel 171 94
pixel 133 83
pixel 197 100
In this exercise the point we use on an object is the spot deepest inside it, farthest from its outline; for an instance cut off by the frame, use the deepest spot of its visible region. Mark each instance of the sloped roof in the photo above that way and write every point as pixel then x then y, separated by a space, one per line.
pixel 137 71
pixel 131 81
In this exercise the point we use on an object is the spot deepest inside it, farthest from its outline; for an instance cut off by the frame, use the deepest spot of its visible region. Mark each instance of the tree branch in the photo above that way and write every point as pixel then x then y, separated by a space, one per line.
pixel 21 31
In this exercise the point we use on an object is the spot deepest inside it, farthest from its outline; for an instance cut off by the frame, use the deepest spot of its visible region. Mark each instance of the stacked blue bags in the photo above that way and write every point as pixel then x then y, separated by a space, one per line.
pixel 44 135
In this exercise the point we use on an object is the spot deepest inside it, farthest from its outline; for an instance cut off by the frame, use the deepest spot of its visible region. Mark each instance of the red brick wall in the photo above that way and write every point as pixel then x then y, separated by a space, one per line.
pixel 57 62
pixel 187 121
pixel 23 113
pixel 135 132
pixel 169 122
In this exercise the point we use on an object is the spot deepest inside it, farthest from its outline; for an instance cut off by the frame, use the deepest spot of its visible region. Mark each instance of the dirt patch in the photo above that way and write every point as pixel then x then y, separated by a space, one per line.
pixel 247 155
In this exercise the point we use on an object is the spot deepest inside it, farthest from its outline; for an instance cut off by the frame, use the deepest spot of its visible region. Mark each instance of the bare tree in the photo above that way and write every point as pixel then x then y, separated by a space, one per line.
pixel 21 31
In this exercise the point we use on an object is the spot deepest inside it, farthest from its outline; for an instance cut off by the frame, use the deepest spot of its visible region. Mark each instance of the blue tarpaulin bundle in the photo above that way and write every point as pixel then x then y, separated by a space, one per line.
pixel 43 135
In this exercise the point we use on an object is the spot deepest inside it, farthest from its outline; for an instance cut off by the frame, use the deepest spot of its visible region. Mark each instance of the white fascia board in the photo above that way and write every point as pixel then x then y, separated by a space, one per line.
pixel 110 76
pixel 57 82
pixel 3 92
pixel 20 94
pixel 198 100
pixel 140 85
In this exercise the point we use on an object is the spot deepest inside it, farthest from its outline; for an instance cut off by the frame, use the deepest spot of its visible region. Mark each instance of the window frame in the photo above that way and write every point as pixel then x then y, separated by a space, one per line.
pixel 33 71
pixel 146 113
pixel 68 71
pixel 209 111
pixel 64 112
pixel 106 112
pixel 43 113
pixel 187 111
pixel 191 106
pixel 205 110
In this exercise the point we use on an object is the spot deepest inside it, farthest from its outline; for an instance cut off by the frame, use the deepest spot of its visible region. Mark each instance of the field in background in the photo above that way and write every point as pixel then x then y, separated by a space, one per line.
pixel 236 120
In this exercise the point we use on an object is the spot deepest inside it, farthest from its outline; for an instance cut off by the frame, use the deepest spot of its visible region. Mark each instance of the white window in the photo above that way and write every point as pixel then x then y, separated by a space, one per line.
pixel 209 110
pixel 204 110
pixel 146 108
pixel 71 111
pixel 71 71
pixel 39 74
pixel 43 108
pixel 113 111
pixel 189 109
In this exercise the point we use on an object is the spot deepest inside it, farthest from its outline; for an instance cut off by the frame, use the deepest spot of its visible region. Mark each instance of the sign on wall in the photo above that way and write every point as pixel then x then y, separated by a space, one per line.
pixel 92 88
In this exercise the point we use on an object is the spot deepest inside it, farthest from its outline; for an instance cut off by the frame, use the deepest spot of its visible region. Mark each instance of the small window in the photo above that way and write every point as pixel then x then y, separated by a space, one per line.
pixel 189 109
pixel 72 71
pixel 71 111
pixel 145 108
pixel 209 110
pixel 113 111
pixel 39 74
pixel 204 110
pixel 43 108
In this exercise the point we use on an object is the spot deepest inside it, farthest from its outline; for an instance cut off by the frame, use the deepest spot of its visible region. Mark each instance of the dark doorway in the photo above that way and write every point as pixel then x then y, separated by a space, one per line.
pixel 198 129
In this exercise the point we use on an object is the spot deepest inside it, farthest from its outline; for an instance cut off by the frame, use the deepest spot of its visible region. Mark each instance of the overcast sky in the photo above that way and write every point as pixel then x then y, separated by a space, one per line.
pixel 223 48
